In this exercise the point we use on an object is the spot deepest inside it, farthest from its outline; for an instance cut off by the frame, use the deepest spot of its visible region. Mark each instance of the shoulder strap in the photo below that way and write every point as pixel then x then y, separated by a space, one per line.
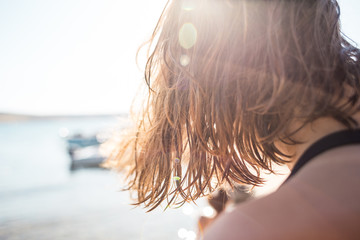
pixel 333 140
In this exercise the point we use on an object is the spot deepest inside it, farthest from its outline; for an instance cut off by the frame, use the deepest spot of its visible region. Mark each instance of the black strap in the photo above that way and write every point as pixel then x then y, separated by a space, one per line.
pixel 333 140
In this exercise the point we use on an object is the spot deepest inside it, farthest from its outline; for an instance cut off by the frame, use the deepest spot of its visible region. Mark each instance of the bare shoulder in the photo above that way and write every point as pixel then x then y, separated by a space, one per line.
pixel 258 219
pixel 237 224
pixel 288 214
pixel 320 202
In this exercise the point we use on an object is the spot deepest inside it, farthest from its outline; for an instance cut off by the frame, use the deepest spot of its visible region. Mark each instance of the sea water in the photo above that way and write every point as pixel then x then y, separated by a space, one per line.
pixel 40 198
pixel 33 154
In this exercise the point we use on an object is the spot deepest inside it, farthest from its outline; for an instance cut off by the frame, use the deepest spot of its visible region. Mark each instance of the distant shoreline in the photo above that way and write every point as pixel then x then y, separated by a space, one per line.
pixel 9 117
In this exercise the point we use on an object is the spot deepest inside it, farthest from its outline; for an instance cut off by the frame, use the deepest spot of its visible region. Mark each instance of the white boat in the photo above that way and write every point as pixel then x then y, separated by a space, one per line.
pixel 86 157
pixel 84 151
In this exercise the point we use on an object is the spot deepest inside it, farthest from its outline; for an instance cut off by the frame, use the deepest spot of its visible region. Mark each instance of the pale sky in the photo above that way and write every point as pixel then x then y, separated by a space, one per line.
pixel 78 56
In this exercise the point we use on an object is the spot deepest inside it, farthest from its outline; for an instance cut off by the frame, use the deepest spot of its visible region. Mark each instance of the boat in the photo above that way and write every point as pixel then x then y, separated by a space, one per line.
pixel 84 151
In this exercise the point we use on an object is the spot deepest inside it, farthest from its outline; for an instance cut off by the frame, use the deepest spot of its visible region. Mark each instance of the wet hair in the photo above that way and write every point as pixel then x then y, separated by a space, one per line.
pixel 226 80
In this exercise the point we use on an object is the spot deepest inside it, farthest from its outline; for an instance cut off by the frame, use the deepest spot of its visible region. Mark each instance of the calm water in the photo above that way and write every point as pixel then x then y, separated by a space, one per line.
pixel 41 199
pixel 33 155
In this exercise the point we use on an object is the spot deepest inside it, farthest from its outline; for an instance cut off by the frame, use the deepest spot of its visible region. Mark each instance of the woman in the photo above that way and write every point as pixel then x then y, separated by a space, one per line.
pixel 240 85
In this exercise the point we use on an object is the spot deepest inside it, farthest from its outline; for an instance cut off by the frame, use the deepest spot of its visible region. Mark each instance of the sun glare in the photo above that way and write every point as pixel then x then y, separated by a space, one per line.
pixel 187 35
pixel 184 60
pixel 188 5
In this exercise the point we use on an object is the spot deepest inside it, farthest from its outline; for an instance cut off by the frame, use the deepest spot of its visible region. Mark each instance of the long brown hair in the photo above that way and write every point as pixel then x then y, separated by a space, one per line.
pixel 226 79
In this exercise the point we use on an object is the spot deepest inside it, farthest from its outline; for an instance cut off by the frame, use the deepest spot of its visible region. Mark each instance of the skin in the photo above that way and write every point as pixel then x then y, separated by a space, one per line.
pixel 310 134
pixel 320 202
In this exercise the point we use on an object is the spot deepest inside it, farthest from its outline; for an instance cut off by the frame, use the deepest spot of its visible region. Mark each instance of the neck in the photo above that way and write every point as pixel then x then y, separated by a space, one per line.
pixel 311 133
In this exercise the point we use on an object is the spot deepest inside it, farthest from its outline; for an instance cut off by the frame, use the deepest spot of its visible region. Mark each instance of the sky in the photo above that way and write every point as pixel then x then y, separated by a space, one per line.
pixel 78 56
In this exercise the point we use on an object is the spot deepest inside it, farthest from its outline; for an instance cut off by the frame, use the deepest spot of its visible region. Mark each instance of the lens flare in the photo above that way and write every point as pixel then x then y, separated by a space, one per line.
pixel 184 60
pixel 185 234
pixel 182 233
pixel 64 132
pixel 187 35
pixel 191 235
pixel 208 211
pixel 188 5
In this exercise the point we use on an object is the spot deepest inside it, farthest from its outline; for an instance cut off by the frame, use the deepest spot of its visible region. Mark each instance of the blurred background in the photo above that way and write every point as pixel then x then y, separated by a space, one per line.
pixel 68 76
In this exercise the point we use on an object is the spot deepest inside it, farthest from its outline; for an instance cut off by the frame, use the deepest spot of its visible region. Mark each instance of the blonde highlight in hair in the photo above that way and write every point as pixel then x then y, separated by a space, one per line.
pixel 221 95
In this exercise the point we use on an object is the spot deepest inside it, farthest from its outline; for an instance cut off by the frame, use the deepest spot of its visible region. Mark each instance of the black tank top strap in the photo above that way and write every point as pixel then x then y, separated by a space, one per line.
pixel 333 140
